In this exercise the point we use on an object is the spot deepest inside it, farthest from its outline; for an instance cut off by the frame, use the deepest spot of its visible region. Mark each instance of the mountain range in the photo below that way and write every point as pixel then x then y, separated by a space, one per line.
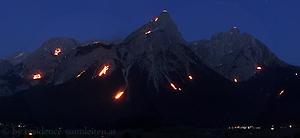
pixel 154 77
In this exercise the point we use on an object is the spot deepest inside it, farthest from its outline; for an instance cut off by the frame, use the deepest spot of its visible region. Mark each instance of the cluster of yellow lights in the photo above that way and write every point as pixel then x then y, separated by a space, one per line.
pixel 37 76
pixel 57 51
pixel 104 70
pixel 80 74
pixel 244 127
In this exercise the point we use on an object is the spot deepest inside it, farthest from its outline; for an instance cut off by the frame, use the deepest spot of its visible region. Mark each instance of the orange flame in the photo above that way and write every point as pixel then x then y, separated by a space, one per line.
pixel 119 95
pixel 235 80
pixel 57 51
pixel 190 77
pixel 104 70
pixel 258 68
pixel 37 76
pixel 148 32
pixel 281 92
pixel 173 86
pixel 80 74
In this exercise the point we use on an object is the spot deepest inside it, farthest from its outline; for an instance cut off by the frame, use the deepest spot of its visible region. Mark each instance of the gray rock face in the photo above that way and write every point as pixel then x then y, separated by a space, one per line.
pixel 44 60
pixel 9 81
pixel 80 59
pixel 235 55
pixel 5 67
pixel 157 48
pixel 17 58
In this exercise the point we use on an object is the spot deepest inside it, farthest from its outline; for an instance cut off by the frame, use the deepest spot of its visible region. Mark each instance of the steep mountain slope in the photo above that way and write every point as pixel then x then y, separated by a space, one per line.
pixel 17 58
pixel 81 58
pixel 279 86
pixel 236 55
pixel 5 67
pixel 159 49
pixel 46 59
pixel 159 74
pixel 35 68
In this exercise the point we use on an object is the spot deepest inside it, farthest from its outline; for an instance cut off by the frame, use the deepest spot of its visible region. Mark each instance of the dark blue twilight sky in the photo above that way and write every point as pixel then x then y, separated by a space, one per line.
pixel 25 24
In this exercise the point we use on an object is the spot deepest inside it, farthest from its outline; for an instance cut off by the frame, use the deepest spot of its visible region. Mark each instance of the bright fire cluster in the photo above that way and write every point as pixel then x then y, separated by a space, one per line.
pixel 37 76
pixel 104 70
pixel 118 95
pixel 57 51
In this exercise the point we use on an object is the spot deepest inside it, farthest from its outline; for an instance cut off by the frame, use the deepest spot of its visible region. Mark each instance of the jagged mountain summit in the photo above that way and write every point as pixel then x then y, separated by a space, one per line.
pixel 159 49
pixel 236 55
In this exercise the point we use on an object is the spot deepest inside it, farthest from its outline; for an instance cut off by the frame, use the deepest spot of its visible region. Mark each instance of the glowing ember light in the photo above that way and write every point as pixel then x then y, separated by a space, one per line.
pixel 190 77
pixel 179 89
pixel 281 92
pixel 235 80
pixel 104 70
pixel 30 134
pixel 148 32
pixel 37 76
pixel 258 68
pixel 173 86
pixel 80 74
pixel 119 95
pixel 57 51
